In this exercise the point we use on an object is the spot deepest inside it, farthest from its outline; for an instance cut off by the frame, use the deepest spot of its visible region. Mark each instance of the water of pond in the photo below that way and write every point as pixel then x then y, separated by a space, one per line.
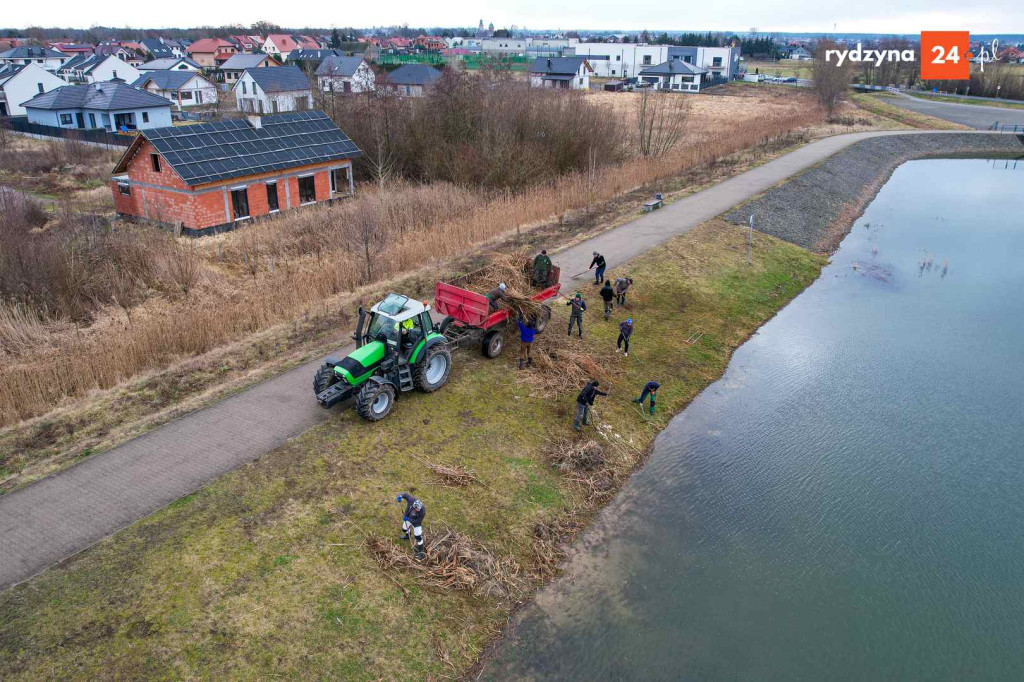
pixel 847 502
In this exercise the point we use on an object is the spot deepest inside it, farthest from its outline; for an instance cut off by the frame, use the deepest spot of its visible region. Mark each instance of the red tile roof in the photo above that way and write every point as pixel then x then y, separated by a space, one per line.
pixel 209 45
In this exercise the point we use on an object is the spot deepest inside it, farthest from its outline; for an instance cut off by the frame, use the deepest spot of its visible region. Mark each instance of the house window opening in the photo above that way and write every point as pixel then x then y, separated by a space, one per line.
pixel 272 197
pixel 240 203
pixel 155 159
pixel 307 190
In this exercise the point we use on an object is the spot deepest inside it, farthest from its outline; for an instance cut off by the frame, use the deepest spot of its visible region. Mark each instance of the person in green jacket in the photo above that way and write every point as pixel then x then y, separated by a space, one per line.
pixel 541 268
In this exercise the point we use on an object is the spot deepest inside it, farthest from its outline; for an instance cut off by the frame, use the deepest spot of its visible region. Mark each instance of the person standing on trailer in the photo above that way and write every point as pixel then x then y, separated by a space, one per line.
pixel 415 512
pixel 496 294
pixel 600 263
pixel 541 268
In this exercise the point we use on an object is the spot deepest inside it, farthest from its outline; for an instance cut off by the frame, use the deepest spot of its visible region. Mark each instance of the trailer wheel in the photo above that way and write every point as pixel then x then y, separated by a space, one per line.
pixel 445 323
pixel 543 318
pixel 432 371
pixel 374 401
pixel 324 378
pixel 494 341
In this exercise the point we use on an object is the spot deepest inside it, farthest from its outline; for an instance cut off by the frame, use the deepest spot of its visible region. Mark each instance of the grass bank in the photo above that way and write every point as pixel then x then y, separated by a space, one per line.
pixel 269 571
pixel 876 104
pixel 999 104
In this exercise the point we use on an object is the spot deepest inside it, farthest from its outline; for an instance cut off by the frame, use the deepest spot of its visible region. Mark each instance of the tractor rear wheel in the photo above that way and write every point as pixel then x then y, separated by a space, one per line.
pixel 543 318
pixel 324 378
pixel 374 401
pixel 432 370
pixel 445 323
pixel 494 341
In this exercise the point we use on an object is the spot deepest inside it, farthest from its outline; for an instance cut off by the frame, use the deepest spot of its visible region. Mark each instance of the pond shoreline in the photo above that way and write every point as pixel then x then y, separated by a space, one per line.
pixel 817 208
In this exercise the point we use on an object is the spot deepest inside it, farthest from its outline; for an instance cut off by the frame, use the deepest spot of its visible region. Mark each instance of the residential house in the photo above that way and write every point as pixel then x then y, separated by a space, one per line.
pixel 178 47
pixel 627 60
pixel 800 53
pixel 561 72
pixel 72 49
pixel 112 106
pixel 345 74
pixel 185 89
pixel 116 49
pixel 720 62
pixel 19 84
pixel 72 69
pixel 248 44
pixel 51 60
pixel 503 45
pixel 396 45
pixel 156 48
pixel 210 53
pixel 281 44
pixel 303 58
pixel 232 69
pixel 674 75
pixel 269 91
pixel 432 43
pixel 107 69
pixel 171 64
pixel 411 80
pixel 212 177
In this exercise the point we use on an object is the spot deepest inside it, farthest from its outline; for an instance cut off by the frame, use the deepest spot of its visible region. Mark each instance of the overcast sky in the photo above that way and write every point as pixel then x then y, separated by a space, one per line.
pixel 845 16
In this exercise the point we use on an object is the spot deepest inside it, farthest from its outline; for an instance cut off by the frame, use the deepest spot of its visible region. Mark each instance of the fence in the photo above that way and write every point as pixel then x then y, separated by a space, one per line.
pixel 22 125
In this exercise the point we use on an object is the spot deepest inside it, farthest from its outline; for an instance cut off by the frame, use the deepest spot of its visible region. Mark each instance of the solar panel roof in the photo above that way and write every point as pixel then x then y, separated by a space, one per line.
pixel 235 148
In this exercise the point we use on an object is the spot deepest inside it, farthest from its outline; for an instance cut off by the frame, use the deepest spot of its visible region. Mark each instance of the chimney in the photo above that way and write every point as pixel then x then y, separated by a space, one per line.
pixel 549 65
pixel 255 121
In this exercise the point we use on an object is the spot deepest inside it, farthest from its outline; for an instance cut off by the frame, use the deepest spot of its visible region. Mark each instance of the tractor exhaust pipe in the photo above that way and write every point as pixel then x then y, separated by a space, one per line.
pixel 358 334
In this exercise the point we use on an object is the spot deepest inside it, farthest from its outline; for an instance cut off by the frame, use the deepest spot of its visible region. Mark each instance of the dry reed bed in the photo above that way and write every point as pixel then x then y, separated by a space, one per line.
pixel 288 268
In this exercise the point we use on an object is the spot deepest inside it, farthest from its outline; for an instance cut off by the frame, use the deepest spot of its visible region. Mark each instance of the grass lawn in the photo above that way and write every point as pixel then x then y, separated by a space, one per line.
pixel 999 104
pixel 266 572
pixel 783 67
pixel 876 104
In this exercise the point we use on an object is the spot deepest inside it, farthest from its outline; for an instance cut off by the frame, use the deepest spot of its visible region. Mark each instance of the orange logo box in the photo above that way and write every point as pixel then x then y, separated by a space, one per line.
pixel 945 55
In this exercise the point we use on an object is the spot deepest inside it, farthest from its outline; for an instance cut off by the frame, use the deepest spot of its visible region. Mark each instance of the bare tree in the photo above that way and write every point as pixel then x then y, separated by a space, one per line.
pixel 831 80
pixel 183 267
pixel 660 121
pixel 366 236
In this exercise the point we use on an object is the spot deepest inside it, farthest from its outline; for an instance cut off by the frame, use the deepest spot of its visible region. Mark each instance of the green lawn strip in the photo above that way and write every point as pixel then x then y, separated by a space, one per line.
pixel 999 104
pixel 876 105
pixel 266 572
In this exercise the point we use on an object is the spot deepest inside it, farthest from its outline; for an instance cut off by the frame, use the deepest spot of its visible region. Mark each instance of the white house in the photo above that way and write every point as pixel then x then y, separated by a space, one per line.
pixel 109 68
pixel 570 73
pixel 171 64
pixel 270 91
pixel 184 89
pixel 18 84
pixel 619 60
pixel 800 54
pixel 345 74
pixel 503 45
pixel 674 75
pixel 411 80
pixel 237 64
pixel 110 106
pixel 51 60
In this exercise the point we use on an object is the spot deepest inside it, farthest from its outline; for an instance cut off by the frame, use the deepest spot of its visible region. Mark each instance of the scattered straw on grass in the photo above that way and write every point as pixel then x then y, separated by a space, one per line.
pixel 549 542
pixel 453 561
pixel 571 455
pixel 561 363
pixel 451 474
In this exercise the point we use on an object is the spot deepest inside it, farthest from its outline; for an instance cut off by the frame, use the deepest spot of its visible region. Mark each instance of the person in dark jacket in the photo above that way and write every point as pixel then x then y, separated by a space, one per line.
pixel 415 512
pixel 599 262
pixel 579 306
pixel 608 295
pixel 541 268
pixel 625 332
pixel 650 389
pixel 621 285
pixel 584 401
pixel 495 295
pixel 527 332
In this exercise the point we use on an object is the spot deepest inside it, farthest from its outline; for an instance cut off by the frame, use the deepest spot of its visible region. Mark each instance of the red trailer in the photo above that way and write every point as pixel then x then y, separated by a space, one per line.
pixel 470 319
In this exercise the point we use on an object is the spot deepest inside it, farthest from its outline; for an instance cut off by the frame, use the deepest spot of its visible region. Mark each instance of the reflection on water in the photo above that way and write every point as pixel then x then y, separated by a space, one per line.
pixel 847 501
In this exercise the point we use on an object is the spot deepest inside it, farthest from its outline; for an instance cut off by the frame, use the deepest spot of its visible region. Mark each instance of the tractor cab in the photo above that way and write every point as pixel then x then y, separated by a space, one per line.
pixel 397 350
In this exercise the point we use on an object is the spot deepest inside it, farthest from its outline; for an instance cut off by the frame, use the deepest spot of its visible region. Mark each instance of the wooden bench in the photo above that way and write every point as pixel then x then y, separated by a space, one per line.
pixel 652 205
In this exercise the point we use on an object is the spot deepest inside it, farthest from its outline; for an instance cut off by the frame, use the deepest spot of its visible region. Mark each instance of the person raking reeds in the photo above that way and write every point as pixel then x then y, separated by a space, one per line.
pixel 579 306
pixel 527 332
pixel 607 295
pixel 650 389
pixel 496 294
pixel 600 263
pixel 621 286
pixel 625 333
pixel 584 401
pixel 541 268
pixel 415 512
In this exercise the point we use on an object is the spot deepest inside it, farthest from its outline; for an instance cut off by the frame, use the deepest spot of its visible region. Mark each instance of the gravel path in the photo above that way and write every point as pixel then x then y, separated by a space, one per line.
pixel 816 208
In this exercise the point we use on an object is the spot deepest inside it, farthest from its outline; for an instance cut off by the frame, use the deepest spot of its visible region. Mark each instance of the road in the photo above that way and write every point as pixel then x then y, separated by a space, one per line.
pixel 59 516
pixel 975 116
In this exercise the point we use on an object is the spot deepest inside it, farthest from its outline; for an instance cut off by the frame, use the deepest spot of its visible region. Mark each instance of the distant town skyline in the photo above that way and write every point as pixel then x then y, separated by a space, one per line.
pixel 768 16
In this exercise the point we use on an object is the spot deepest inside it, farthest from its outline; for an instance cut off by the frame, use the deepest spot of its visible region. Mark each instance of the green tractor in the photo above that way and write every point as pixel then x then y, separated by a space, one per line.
pixel 397 350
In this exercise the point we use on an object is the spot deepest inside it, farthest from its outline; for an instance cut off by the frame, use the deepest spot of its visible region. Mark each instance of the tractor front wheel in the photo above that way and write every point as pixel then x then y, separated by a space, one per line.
pixel 433 369
pixel 494 341
pixel 324 378
pixel 374 401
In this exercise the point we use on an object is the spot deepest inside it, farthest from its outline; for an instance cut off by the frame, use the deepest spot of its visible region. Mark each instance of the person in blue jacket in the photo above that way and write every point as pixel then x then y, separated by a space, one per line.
pixel 527 332
pixel 415 512
pixel 650 389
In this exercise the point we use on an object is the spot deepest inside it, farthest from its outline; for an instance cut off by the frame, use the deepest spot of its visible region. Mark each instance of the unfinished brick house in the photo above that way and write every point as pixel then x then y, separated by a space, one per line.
pixel 211 177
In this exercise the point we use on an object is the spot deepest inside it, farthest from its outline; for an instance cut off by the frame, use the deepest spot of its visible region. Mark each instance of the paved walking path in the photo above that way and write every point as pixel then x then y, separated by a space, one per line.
pixel 976 116
pixel 59 516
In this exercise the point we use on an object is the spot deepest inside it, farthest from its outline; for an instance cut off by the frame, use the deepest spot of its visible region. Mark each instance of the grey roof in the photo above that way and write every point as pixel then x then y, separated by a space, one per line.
pixel 673 67
pixel 9 71
pixel 234 148
pixel 241 62
pixel 414 74
pixel 166 80
pixel 557 65
pixel 165 63
pixel 279 79
pixel 76 62
pixel 102 96
pixel 313 55
pixel 30 52
pixel 339 66
pixel 157 48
